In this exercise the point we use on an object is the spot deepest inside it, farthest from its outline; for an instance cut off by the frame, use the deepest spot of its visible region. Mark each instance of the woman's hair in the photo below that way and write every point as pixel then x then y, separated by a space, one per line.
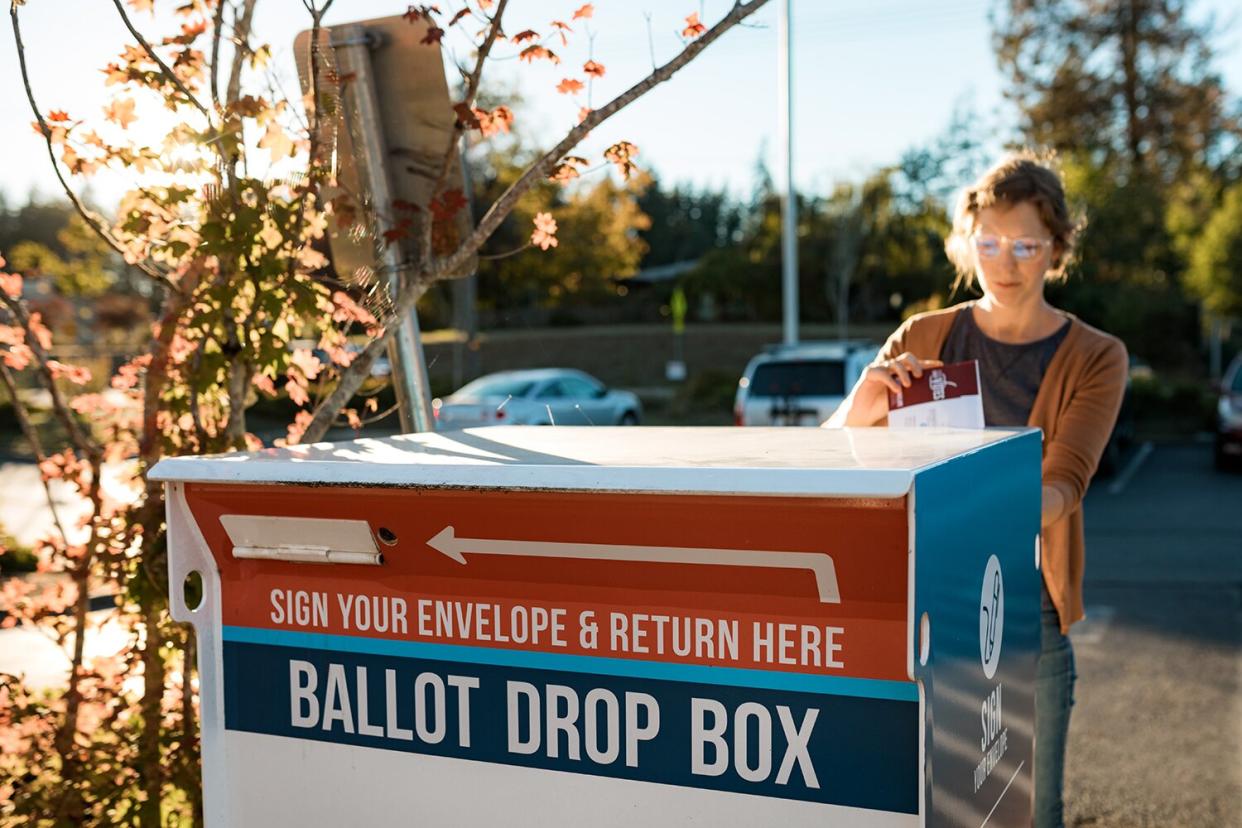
pixel 1017 178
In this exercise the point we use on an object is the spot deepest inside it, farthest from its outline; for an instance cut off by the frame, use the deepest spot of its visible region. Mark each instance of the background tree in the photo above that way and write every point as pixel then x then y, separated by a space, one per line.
pixel 1215 273
pixel 598 237
pixel 1129 83
pixel 1125 92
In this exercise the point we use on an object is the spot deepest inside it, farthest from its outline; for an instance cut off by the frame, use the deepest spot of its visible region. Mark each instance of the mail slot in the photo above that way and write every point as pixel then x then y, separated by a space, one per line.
pixel 599 626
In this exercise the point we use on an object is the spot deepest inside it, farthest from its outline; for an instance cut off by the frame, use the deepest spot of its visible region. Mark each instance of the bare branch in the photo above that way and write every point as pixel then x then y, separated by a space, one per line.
pixel 650 40
pixel 472 90
pixel 164 68
pixel 492 257
pixel 316 126
pixel 241 39
pixel 217 32
pixel 36 445
pixel 81 441
pixel 93 221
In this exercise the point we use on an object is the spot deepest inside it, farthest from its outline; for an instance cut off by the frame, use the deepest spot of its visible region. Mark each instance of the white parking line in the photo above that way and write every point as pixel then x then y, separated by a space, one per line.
pixel 1119 484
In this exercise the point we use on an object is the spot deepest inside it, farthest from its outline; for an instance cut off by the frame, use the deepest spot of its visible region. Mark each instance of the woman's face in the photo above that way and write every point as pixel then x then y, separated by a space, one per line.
pixel 1012 251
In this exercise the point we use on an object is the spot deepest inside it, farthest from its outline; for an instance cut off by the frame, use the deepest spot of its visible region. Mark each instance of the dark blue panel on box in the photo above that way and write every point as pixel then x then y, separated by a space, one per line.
pixel 844 750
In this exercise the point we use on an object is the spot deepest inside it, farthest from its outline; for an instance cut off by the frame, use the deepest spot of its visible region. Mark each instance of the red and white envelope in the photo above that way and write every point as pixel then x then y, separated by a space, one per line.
pixel 947 397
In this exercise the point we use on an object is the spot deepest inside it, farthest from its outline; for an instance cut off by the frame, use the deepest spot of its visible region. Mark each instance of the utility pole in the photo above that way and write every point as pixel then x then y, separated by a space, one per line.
pixel 789 193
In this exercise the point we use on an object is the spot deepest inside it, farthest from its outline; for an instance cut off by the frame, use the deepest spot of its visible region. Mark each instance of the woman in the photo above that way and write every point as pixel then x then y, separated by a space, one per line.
pixel 1039 366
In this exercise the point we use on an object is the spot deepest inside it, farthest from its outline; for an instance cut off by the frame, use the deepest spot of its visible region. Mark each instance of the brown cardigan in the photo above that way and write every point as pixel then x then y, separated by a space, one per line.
pixel 1076 408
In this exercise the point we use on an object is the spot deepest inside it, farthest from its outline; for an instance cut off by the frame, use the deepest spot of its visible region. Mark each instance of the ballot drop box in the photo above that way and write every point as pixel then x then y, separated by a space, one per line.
pixel 615 626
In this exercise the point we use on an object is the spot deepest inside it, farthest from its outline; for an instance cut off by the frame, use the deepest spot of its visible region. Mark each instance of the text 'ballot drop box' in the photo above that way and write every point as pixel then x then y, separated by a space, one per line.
pixel 612 626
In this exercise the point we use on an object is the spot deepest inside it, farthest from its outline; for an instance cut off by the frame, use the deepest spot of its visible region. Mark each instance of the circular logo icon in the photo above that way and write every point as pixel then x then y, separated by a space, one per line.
pixel 991 616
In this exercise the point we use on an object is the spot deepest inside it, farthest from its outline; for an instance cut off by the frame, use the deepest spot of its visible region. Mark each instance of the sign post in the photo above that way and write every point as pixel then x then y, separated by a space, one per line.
pixel 574 626
pixel 390 128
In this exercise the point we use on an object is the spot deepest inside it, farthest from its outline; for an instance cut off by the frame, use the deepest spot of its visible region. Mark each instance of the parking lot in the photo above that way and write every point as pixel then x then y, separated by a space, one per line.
pixel 1156 735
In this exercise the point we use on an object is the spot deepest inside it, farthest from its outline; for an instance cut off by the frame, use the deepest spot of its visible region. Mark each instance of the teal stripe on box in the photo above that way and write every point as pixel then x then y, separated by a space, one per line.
pixel 599 665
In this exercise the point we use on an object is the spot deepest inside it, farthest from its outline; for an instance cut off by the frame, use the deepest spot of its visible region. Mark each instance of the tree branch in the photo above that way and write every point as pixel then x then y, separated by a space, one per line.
pixel 472 90
pixel 217 32
pixel 164 68
pixel 36 445
pixel 241 39
pixel 92 220
pixel 81 441
pixel 539 170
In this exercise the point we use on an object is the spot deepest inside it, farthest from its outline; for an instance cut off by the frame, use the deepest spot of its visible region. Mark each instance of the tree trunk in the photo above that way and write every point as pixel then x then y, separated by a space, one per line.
pixel 1130 81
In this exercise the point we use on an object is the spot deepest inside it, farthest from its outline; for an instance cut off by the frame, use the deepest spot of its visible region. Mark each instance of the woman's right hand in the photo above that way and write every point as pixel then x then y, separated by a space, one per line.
pixel 897 373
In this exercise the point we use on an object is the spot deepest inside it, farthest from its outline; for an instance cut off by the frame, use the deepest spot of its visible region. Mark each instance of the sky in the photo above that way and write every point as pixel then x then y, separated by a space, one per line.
pixel 871 81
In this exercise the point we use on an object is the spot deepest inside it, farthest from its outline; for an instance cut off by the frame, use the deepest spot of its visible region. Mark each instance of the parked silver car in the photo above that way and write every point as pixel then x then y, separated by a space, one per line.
pixel 544 396
pixel 799 385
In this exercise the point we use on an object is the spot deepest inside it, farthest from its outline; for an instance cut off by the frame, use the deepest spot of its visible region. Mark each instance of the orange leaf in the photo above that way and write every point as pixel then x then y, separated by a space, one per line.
pixel 595 70
pixel 583 12
pixel 264 383
pixel 277 142
pixel 121 112
pixel 567 169
pixel 545 231
pixel 569 86
pixel 58 115
pixel 42 335
pixel 532 53
pixel 499 119
pixel 298 427
pixel 11 283
pixel 622 154
pixel 693 27
pixel 18 357
pixel 297 391
pixel 306 362
pixel 523 36
pixel 74 373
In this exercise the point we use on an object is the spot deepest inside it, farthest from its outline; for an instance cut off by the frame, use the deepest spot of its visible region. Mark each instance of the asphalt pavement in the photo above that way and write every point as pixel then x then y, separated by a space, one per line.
pixel 1156 732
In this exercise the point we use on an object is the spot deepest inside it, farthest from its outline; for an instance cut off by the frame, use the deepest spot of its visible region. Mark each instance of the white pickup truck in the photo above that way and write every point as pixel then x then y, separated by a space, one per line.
pixel 799 385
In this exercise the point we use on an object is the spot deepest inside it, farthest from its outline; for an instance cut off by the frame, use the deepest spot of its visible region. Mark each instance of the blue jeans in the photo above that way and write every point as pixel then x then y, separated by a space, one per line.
pixel 1054 696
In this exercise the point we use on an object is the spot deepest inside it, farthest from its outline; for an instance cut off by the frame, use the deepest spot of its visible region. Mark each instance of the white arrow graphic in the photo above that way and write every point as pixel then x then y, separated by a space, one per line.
pixel 818 563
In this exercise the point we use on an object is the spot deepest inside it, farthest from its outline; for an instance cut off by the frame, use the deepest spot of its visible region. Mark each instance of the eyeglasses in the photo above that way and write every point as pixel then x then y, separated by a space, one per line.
pixel 989 246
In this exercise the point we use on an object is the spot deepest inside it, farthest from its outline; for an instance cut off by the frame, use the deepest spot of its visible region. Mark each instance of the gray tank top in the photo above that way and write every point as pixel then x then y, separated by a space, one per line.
pixel 1010 374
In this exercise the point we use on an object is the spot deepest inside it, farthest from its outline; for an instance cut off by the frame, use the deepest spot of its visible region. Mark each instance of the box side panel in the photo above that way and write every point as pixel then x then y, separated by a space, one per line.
pixel 977 580
pixel 703 649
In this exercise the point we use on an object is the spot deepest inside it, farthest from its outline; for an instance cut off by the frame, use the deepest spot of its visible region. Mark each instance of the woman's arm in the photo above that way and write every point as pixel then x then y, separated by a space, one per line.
pixel 867 403
pixel 1053 506
pixel 1083 430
